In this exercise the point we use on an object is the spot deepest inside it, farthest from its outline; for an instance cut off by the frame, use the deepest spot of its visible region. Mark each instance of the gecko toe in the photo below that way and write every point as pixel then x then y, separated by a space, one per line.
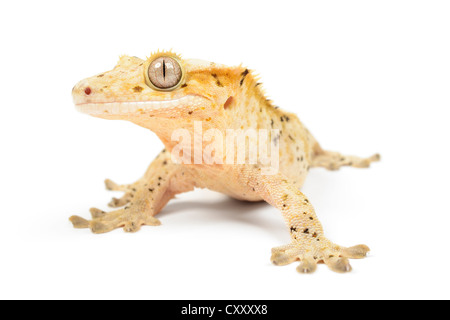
pixel 97 213
pixel 111 185
pixel 132 227
pixel 356 252
pixel 100 227
pixel 79 223
pixel 120 202
pixel 282 259
pixel 375 158
pixel 339 265
pixel 307 265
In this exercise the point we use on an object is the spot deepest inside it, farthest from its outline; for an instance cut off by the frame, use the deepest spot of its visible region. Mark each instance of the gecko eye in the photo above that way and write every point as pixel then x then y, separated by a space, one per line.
pixel 165 73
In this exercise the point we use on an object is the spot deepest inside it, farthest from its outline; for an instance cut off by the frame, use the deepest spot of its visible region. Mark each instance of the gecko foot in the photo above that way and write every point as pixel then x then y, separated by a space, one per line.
pixel 129 218
pixel 318 251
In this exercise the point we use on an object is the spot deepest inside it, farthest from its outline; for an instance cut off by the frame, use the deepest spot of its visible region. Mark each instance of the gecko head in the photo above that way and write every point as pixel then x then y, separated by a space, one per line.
pixel 163 86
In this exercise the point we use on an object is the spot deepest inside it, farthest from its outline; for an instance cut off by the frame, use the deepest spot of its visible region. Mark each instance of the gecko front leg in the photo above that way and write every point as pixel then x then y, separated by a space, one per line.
pixel 143 199
pixel 309 244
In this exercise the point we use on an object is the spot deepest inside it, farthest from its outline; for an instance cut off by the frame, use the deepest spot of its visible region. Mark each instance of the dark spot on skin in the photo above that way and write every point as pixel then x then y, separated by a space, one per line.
pixel 276 139
pixel 282 119
pixel 165 162
pixel 190 112
pixel 293 229
pixel 243 75
pixel 219 84
pixel 184 85
pixel 100 75
pixel 306 231
pixel 290 137
pixel 138 89
pixel 311 218
pixel 315 235
pixel 159 184
pixel 87 91
pixel 228 103
pixel 258 84
pixel 151 190
pixel 330 256
pixel 159 178
pixel 164 150
pixel 306 201
pixel 271 122
pixel 134 189
pixel 276 107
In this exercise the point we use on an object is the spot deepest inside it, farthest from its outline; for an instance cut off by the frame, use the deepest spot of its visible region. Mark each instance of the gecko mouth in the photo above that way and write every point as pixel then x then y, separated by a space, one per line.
pixel 130 107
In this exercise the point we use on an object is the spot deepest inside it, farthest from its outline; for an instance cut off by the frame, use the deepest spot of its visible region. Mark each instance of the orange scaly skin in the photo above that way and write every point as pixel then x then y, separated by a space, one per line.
pixel 222 98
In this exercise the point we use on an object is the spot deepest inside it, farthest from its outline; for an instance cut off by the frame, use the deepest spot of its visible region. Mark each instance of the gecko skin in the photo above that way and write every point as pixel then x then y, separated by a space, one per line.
pixel 165 93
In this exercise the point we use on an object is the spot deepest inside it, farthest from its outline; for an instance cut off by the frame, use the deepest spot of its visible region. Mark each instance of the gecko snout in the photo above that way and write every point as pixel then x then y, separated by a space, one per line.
pixel 83 92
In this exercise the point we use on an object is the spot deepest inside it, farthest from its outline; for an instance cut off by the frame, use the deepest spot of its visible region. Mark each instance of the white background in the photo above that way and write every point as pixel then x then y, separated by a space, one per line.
pixel 364 76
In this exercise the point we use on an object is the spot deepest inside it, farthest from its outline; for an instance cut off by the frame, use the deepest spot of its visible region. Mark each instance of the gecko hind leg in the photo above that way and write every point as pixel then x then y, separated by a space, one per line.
pixel 334 160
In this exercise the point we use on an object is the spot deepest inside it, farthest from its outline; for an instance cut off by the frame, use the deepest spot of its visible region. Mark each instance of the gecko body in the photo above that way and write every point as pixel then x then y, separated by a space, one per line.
pixel 166 93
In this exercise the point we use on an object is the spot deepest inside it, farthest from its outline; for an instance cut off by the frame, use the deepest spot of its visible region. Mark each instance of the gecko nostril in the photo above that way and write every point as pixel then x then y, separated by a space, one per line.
pixel 87 91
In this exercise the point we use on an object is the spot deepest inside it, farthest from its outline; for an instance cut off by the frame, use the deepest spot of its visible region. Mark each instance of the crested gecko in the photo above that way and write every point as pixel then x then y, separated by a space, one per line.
pixel 165 93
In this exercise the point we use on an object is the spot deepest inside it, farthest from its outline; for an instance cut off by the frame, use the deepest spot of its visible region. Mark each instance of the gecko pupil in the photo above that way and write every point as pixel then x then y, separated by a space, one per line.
pixel 164 73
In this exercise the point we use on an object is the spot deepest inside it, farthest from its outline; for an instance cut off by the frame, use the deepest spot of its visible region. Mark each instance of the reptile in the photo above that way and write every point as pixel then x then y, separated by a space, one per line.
pixel 165 93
